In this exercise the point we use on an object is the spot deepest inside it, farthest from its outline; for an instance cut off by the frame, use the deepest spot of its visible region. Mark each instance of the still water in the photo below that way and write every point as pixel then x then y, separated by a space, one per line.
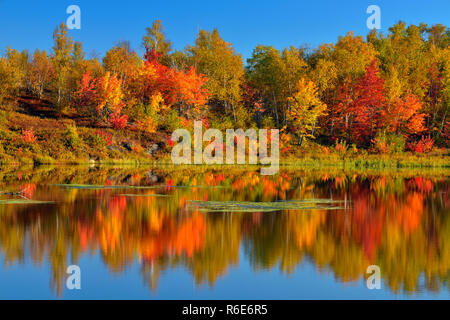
pixel 205 233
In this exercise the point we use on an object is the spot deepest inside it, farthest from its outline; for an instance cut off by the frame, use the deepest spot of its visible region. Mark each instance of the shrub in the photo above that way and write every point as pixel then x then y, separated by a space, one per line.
pixel 424 145
pixel 341 147
pixel 71 138
pixel 267 122
pixel 388 143
pixel 148 124
pixel 100 139
pixel 28 136
pixel 171 121
pixel 137 148
pixel 118 121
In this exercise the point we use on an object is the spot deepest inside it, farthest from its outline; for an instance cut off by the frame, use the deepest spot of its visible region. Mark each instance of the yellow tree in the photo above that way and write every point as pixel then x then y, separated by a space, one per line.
pixel 61 59
pixel 154 39
pixel 223 67
pixel 121 60
pixel 7 84
pixel 41 72
pixel 305 108
pixel 109 94
pixel 17 64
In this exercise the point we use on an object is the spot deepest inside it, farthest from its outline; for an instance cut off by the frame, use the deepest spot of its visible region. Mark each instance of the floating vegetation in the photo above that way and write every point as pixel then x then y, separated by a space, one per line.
pixel 243 206
pixel 23 201
pixel 145 195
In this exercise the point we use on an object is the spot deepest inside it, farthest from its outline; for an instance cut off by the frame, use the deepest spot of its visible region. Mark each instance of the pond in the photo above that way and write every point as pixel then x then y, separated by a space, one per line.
pixel 208 233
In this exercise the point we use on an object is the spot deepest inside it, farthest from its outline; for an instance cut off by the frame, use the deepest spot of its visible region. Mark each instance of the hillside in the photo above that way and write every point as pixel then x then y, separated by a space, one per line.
pixel 32 131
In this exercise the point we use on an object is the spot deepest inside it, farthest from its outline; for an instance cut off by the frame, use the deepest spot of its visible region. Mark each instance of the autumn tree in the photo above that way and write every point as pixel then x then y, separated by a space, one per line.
pixel 156 86
pixel 155 39
pixel 263 73
pixel 63 46
pixel 102 97
pixel 6 80
pixel 18 66
pixel 223 67
pixel 369 105
pixel 41 72
pixel 121 60
pixel 305 108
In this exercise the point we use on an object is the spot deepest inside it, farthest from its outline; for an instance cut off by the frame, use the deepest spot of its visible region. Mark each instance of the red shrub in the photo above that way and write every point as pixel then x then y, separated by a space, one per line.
pixel 424 145
pixel 118 121
pixel 28 136
pixel 107 137
pixel 170 141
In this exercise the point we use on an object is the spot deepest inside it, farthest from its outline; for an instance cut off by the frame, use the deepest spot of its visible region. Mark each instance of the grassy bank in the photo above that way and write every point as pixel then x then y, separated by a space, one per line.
pixel 31 134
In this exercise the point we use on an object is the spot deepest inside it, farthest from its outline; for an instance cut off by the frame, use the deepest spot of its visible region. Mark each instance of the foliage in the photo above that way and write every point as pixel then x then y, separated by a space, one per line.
pixel 28 136
pixel 101 139
pixel 305 109
pixel 388 143
pixel 424 145
pixel 71 137
pixel 374 94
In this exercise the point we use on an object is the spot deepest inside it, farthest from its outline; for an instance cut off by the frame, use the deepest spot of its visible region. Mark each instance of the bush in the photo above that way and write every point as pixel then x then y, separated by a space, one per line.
pixel 118 121
pixel 341 147
pixel 171 121
pixel 100 139
pixel 28 136
pixel 71 138
pixel 424 145
pixel 388 143
pixel 267 122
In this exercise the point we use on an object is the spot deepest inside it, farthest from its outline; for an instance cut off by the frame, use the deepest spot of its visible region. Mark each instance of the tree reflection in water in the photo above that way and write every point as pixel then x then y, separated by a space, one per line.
pixel 397 220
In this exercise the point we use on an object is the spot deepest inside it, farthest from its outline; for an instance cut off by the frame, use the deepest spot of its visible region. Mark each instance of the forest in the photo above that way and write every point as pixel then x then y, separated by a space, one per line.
pixel 387 95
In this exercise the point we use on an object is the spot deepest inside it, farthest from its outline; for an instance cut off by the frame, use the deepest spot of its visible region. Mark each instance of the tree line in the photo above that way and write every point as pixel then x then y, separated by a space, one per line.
pixel 388 92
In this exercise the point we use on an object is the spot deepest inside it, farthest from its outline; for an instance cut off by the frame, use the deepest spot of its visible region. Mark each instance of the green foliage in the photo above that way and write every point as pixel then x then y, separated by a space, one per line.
pixel 223 67
pixel 267 122
pixel 155 39
pixel 171 121
pixel 71 137
pixel 388 143
pixel 97 141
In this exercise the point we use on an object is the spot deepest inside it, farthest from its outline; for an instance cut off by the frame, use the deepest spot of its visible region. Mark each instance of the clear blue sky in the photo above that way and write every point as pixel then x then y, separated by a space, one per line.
pixel 245 23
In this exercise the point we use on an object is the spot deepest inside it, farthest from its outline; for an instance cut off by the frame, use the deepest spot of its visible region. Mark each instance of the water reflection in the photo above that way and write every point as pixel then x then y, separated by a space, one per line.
pixel 397 220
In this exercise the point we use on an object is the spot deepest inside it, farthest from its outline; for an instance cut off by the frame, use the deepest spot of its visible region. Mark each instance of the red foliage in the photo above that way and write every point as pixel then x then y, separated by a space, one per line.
pixel 28 136
pixel 369 105
pixel 107 137
pixel 404 115
pixel 86 93
pixel 182 88
pixel 340 112
pixel 170 141
pixel 169 185
pixel 118 121
pixel 424 145
pixel 28 190
pixel 205 122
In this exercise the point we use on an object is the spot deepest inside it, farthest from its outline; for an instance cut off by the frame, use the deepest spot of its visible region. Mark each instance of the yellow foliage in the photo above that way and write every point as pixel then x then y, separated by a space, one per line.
pixel 305 108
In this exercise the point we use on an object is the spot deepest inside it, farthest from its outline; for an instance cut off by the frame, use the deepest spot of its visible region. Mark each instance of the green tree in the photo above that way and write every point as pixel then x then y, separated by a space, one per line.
pixel 155 39
pixel 61 59
pixel 223 67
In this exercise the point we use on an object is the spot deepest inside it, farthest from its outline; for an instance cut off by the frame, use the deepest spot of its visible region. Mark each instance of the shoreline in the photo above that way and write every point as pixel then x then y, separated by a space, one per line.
pixel 368 162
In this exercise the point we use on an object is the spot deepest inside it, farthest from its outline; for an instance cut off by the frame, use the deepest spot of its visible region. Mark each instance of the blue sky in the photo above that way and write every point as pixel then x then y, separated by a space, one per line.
pixel 245 23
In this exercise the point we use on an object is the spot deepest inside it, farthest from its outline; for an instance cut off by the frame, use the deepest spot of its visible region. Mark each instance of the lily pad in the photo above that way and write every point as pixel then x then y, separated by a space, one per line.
pixel 23 201
pixel 244 206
